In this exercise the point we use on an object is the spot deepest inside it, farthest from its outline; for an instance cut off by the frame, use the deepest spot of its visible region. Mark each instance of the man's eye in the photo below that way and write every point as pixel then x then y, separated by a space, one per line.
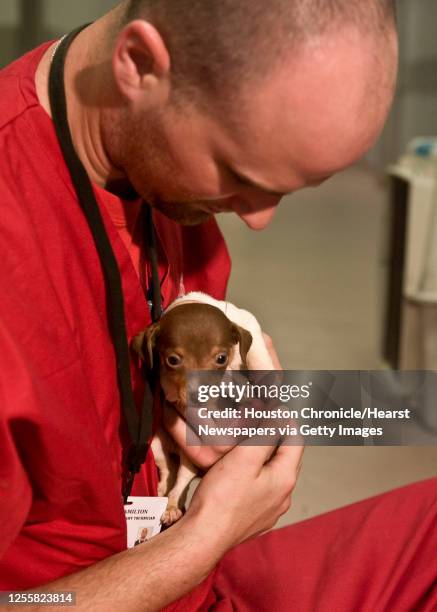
pixel 174 361
pixel 221 359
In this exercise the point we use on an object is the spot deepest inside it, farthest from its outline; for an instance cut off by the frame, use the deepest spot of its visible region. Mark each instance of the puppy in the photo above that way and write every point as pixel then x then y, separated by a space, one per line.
pixel 196 332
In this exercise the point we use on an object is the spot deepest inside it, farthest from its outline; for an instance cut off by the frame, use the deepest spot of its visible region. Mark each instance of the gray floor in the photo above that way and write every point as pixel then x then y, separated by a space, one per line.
pixel 315 279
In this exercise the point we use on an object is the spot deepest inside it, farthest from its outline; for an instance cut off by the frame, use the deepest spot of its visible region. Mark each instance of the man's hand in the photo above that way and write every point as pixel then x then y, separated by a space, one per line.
pixel 246 492
pixel 242 495
pixel 272 351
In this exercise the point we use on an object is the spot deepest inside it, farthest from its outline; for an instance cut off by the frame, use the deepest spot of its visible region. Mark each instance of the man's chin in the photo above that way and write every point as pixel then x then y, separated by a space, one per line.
pixel 183 213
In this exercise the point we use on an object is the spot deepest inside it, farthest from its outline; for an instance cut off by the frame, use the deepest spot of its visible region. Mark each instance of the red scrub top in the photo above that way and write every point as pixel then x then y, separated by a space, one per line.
pixel 62 432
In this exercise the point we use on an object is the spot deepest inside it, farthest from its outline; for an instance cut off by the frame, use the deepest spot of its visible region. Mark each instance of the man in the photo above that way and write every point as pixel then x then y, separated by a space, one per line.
pixel 198 107
pixel 142 536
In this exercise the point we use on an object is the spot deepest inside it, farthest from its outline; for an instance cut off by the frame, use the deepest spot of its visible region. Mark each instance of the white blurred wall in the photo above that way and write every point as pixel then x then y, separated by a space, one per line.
pixel 63 15
pixel 419 87
pixel 9 24
pixel 9 13
pixel 26 23
pixel 415 110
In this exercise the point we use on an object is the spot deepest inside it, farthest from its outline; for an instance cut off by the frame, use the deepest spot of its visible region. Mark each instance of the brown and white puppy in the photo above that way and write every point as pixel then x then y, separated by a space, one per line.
pixel 196 332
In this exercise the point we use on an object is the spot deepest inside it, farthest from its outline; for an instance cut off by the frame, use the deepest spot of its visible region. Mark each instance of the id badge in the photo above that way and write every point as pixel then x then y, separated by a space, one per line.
pixel 143 518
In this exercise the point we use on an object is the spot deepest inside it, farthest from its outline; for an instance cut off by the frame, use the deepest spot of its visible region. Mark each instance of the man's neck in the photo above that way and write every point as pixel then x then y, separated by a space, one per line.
pixel 87 91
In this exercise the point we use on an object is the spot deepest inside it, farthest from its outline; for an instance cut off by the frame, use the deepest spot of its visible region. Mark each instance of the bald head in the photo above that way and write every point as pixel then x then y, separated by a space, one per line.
pixel 218 45
pixel 226 105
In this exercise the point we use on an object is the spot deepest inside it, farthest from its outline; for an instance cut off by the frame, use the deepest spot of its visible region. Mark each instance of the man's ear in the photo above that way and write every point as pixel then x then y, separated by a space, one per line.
pixel 141 62
pixel 244 338
pixel 144 343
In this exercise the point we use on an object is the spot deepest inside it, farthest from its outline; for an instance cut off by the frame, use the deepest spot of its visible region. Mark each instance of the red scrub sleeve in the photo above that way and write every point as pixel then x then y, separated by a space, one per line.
pixel 15 489
pixel 378 555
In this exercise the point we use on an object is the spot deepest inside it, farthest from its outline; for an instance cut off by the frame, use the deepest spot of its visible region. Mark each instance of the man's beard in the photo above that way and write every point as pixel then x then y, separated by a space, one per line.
pixel 183 212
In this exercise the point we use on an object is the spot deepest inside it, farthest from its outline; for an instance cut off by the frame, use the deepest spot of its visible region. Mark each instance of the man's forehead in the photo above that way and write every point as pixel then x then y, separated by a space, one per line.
pixel 315 115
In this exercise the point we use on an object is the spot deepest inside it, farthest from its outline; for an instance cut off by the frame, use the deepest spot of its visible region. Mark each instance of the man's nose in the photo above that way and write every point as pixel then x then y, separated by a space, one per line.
pixel 257 214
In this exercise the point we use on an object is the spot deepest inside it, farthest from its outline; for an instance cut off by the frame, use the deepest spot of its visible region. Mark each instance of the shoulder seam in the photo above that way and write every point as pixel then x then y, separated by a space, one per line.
pixel 27 104
pixel 15 117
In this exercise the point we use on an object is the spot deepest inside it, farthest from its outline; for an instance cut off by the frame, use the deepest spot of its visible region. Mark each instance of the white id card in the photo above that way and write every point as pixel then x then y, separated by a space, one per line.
pixel 143 518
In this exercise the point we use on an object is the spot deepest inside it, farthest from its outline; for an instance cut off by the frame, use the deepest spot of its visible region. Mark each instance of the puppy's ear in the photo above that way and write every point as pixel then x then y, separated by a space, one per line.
pixel 144 343
pixel 152 334
pixel 244 338
pixel 137 344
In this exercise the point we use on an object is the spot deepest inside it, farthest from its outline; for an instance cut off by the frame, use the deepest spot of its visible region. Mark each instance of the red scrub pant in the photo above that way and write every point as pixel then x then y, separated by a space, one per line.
pixel 377 555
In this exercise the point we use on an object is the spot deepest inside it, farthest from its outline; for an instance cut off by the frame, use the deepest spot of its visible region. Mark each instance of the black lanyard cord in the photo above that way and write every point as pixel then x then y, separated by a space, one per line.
pixel 140 429
pixel 156 309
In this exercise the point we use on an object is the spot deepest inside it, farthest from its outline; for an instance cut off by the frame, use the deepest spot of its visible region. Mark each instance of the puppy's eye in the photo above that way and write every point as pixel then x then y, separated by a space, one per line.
pixel 221 359
pixel 174 361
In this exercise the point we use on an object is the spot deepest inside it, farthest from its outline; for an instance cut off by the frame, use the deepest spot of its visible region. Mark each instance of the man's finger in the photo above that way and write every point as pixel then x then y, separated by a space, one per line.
pixel 253 458
pixel 273 354
pixel 202 456
pixel 287 461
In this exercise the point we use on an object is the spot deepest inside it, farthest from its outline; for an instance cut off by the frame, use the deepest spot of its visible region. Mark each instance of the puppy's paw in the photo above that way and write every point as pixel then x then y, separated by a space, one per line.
pixel 171 515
